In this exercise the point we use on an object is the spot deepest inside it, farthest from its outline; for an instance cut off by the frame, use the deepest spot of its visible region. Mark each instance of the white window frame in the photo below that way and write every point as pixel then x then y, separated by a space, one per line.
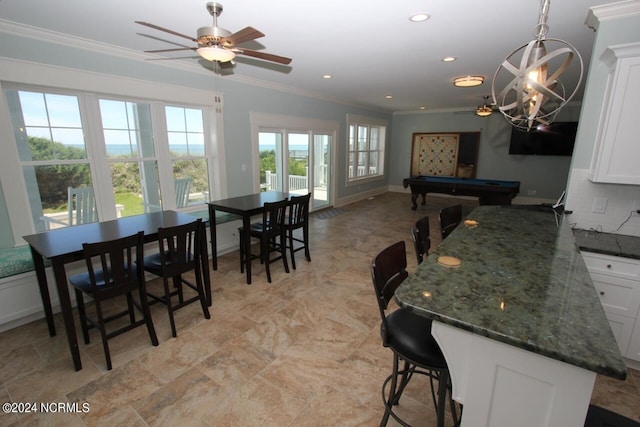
pixel 368 122
pixel 30 76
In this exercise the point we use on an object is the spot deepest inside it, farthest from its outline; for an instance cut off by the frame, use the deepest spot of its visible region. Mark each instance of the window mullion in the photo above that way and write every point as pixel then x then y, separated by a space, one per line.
pixel 165 165
pixel 96 154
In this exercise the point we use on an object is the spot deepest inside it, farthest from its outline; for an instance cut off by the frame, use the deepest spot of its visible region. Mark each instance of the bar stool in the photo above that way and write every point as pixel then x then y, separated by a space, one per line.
pixel 408 335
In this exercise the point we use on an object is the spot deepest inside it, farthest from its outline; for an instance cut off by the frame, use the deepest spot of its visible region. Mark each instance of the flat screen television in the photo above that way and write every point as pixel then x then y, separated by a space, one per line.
pixel 555 139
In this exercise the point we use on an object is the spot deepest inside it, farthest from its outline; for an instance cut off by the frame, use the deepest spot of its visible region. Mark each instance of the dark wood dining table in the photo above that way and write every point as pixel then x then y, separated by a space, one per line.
pixel 64 245
pixel 245 207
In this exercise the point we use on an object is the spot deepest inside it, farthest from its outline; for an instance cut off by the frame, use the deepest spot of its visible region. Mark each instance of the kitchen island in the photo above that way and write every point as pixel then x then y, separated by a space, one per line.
pixel 519 320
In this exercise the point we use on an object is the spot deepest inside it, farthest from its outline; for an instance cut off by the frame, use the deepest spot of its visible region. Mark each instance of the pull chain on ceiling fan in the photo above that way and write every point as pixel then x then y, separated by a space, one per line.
pixel 217 44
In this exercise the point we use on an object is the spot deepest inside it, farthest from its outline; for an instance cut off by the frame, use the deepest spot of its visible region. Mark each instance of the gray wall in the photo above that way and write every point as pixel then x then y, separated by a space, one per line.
pixel 544 175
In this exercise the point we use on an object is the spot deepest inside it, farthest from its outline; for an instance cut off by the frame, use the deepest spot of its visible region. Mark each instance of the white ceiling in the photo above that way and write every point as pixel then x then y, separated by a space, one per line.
pixel 369 46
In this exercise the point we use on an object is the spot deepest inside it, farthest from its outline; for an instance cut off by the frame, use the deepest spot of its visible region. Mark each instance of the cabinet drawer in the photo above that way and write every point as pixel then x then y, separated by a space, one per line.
pixel 628 268
pixel 618 296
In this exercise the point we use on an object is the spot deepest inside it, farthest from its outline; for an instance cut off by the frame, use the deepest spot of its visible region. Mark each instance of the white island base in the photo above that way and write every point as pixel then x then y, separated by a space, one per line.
pixel 504 386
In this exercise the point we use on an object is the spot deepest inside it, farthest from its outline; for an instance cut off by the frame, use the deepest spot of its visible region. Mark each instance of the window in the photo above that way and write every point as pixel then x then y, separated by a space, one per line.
pixel 125 153
pixel 365 148
pixel 185 130
pixel 128 140
pixel 51 150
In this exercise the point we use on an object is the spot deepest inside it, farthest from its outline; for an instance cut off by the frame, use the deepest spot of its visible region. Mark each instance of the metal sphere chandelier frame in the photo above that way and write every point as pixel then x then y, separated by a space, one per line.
pixel 532 93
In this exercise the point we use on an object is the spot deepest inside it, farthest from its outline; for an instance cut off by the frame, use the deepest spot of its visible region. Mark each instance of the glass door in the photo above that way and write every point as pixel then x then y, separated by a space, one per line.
pixel 307 158
pixel 321 159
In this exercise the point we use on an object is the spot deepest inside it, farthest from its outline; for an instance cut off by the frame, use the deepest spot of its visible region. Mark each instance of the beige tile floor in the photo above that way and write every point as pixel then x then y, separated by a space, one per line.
pixel 302 351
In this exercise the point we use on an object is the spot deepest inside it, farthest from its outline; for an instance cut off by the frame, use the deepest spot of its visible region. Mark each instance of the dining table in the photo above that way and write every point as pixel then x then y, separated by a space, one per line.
pixel 517 317
pixel 64 245
pixel 245 207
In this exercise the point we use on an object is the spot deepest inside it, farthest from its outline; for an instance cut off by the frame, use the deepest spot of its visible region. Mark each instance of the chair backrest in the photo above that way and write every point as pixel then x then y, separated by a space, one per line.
pixel 298 211
pixel 388 270
pixel 183 187
pixel 421 240
pixel 450 218
pixel 82 205
pixel 180 248
pixel 112 265
pixel 273 217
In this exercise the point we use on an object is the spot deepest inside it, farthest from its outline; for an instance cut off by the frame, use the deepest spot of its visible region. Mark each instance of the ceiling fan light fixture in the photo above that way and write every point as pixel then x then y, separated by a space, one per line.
pixel 468 81
pixel 216 53
pixel 485 109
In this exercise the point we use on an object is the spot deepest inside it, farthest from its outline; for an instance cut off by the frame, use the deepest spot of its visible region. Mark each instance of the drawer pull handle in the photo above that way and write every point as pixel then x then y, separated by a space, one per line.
pixel 608 265
pixel 601 292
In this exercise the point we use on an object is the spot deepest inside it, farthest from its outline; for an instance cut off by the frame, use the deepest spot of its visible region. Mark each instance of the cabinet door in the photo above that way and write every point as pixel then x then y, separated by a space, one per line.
pixel 622 328
pixel 633 352
pixel 616 150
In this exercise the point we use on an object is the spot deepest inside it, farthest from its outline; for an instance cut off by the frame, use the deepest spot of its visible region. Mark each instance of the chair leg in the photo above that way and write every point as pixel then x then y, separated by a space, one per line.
pixel 103 333
pixel 443 382
pixel 167 296
pixel 132 312
pixel 201 293
pixel 144 304
pixel 265 256
pixel 407 372
pixel 388 400
pixel 283 251
pixel 83 315
pixel 291 251
pixel 305 237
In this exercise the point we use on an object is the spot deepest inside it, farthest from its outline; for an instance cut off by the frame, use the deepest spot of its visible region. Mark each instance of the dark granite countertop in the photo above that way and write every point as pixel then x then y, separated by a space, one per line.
pixel 522 282
pixel 608 243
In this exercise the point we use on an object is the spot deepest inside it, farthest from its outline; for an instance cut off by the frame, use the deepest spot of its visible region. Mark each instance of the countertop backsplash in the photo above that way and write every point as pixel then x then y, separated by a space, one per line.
pixel 607 208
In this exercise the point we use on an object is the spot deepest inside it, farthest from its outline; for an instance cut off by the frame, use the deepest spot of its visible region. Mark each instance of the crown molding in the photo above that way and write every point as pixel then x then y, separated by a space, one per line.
pixel 42 35
pixel 610 12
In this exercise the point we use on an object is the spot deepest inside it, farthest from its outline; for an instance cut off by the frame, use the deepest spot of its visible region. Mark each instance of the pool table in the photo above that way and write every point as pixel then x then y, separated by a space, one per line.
pixel 488 191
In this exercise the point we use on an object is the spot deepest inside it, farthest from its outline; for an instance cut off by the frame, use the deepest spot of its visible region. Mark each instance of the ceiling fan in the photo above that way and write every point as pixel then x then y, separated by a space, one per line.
pixel 217 44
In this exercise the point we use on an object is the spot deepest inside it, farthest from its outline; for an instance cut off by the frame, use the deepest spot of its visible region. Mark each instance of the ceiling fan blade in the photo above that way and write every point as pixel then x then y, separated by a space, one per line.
pixel 155 27
pixel 263 55
pixel 169 50
pixel 244 35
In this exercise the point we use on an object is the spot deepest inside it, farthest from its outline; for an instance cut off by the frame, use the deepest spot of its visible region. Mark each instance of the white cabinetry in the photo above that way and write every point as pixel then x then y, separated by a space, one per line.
pixel 617 281
pixel 616 152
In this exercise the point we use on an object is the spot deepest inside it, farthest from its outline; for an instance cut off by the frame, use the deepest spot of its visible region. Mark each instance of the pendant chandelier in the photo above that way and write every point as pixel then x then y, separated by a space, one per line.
pixel 526 87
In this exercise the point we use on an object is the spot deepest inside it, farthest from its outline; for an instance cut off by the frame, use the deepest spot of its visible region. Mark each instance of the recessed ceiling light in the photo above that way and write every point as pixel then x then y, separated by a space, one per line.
pixel 449 59
pixel 327 76
pixel 422 107
pixel 389 96
pixel 419 17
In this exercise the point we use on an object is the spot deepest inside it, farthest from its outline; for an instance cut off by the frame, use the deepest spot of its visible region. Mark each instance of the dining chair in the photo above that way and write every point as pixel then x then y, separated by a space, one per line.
pixel 179 253
pixel 112 272
pixel 271 233
pixel 298 219
pixel 408 335
pixel 421 240
pixel 450 217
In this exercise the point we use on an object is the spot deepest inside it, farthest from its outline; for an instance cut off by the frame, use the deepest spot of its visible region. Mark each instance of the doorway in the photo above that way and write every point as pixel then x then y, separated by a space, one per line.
pixel 297 162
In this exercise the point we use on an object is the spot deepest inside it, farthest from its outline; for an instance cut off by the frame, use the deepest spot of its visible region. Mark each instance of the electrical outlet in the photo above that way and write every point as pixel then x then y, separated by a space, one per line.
pixel 599 205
